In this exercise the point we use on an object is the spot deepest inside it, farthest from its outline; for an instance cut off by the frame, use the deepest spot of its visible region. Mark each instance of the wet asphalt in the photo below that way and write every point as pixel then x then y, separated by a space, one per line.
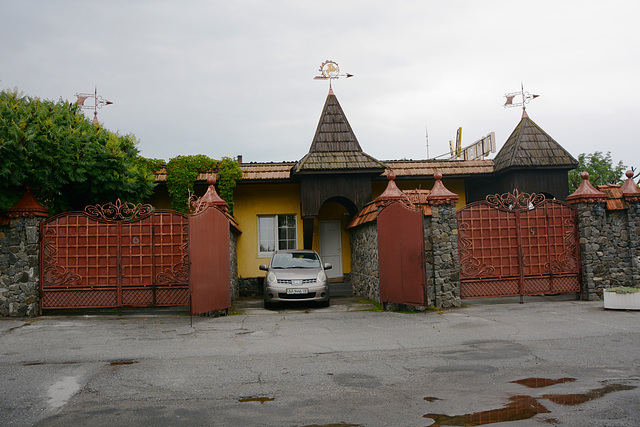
pixel 550 361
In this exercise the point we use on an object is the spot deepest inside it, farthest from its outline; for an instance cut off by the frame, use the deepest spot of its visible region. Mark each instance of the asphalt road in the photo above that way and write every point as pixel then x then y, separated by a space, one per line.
pixel 541 363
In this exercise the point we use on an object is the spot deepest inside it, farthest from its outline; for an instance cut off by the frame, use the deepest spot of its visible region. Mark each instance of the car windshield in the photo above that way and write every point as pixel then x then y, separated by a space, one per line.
pixel 295 260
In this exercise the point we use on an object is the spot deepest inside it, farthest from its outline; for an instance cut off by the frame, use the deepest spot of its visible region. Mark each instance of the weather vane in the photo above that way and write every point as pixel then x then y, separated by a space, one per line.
pixel 526 98
pixel 98 102
pixel 330 70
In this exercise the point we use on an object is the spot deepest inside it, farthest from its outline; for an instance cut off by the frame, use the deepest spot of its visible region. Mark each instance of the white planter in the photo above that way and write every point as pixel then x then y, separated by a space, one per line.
pixel 615 301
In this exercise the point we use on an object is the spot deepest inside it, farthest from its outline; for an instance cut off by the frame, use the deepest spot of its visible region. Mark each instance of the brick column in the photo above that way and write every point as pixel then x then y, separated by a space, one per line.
pixel 443 247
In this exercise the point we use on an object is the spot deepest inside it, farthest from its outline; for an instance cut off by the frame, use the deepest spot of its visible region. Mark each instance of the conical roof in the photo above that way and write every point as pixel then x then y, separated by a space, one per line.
pixel 531 147
pixel 335 146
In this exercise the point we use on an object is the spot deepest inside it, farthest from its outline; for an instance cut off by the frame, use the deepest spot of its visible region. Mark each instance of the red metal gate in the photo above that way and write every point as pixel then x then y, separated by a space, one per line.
pixel 401 256
pixel 517 244
pixel 116 255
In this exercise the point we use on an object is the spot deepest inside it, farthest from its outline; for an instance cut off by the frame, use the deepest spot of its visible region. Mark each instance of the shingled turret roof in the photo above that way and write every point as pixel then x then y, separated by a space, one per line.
pixel 335 146
pixel 531 147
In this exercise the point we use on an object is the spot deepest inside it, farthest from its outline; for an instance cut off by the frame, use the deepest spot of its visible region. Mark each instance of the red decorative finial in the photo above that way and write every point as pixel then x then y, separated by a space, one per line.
pixel 586 193
pixel 391 175
pixel 211 180
pixel 437 176
pixel 630 190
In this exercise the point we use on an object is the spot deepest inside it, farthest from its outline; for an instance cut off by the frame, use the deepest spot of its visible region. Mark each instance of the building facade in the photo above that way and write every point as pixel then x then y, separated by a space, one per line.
pixel 310 203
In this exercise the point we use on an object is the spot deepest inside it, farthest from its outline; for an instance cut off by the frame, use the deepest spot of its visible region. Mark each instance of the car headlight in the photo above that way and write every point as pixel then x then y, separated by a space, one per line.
pixel 271 278
pixel 322 277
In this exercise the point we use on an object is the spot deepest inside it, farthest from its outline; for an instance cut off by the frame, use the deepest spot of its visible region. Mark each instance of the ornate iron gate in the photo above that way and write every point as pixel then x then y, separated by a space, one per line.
pixel 115 255
pixel 517 244
pixel 401 255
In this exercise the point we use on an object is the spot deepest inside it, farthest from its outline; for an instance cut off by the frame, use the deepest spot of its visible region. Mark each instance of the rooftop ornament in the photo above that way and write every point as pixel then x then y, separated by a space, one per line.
pixel 525 96
pixel 329 70
pixel 98 102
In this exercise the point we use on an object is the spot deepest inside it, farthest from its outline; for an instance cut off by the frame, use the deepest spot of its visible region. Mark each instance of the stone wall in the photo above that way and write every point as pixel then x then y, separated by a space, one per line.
pixel 444 254
pixel 233 263
pixel 429 261
pixel 364 261
pixel 251 287
pixel 19 267
pixel 609 247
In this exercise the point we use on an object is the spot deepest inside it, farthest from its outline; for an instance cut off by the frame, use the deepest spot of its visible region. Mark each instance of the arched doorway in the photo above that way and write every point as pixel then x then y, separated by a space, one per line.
pixel 333 241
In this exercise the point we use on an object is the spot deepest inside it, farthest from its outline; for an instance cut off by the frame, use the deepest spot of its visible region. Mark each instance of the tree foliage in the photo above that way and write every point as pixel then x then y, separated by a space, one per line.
pixel 600 168
pixel 67 160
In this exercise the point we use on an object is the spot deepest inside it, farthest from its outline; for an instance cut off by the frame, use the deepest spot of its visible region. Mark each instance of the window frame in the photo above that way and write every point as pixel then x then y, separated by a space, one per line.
pixel 275 231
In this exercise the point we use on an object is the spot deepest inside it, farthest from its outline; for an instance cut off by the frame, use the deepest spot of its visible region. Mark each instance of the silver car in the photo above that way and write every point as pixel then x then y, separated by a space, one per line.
pixel 296 275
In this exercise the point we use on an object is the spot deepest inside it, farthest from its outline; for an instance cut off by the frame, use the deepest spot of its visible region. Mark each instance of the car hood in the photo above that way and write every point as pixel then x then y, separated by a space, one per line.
pixel 296 273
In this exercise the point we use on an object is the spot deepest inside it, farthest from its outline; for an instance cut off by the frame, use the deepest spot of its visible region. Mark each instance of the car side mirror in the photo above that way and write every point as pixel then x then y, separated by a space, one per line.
pixel 327 266
pixel 264 267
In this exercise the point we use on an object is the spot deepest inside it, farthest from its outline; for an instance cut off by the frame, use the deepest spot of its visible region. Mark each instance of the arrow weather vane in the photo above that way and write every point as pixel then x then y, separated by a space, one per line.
pixel 98 102
pixel 330 70
pixel 526 98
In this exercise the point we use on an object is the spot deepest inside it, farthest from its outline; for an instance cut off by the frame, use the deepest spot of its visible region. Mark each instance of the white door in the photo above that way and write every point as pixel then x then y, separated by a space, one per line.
pixel 331 246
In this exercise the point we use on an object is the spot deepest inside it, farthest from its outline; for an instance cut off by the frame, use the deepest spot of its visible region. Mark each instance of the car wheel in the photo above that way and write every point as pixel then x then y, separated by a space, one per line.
pixel 326 303
pixel 269 305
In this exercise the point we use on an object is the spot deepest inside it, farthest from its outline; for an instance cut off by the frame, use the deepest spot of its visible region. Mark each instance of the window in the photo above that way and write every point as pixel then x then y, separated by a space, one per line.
pixel 276 232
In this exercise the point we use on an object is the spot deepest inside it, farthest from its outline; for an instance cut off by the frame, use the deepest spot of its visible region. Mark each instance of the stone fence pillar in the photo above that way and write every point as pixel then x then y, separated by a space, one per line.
pixel 631 195
pixel 20 258
pixel 443 247
pixel 609 241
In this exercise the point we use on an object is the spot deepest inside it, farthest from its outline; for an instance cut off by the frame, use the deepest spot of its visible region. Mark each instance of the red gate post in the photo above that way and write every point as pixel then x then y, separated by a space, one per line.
pixel 209 253
pixel 401 256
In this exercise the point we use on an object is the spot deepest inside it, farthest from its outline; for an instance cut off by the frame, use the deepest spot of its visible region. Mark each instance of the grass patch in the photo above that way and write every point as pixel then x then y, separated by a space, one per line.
pixel 376 305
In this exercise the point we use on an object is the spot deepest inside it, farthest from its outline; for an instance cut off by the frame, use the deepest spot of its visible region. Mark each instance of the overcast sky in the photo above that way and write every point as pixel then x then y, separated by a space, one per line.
pixel 224 78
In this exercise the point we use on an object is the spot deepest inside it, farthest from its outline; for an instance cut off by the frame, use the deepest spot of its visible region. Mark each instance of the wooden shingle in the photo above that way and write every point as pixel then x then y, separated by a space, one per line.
pixel 530 146
pixel 335 146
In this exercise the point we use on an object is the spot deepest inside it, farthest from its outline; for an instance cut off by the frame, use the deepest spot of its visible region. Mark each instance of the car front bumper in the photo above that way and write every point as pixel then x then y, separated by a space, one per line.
pixel 278 293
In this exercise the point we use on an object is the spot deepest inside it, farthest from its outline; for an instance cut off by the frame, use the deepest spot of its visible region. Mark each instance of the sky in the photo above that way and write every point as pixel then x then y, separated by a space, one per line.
pixel 224 78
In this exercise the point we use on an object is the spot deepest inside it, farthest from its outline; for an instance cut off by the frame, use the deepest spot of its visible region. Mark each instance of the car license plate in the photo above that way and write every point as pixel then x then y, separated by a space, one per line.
pixel 297 291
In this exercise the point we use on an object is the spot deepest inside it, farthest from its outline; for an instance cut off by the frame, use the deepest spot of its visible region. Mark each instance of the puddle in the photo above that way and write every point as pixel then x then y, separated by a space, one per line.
pixel 334 425
pixel 520 408
pixel 123 362
pixel 257 399
pixel 542 382
pixel 524 407
pixel 577 399
pixel 48 363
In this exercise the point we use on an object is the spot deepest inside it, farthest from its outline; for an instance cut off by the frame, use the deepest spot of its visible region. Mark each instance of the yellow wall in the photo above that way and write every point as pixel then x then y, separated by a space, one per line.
pixel 250 200
pixel 334 211
pixel 453 185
